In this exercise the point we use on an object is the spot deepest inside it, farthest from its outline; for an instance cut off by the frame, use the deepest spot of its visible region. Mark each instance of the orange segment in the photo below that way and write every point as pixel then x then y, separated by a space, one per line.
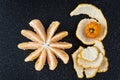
pixel 52 29
pixel 51 58
pixel 29 45
pixel 61 45
pixel 92 30
pixel 41 61
pixel 34 55
pixel 38 28
pixel 59 36
pixel 31 35
pixel 60 54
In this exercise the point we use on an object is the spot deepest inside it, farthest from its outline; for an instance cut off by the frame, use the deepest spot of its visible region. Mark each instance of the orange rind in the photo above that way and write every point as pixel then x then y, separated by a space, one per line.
pixel 79 69
pixel 90 67
pixel 104 65
pixel 93 29
pixel 100 47
pixel 89 54
pixel 90 72
pixel 91 64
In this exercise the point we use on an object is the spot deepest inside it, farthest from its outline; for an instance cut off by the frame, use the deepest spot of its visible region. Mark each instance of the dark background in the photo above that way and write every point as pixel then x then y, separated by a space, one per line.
pixel 15 16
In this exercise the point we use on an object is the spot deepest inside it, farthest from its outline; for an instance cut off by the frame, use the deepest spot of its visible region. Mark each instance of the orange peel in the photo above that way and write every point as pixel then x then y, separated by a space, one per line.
pixel 79 69
pixel 90 67
pixel 90 64
pixel 89 54
pixel 104 65
pixel 100 47
pixel 90 72
pixel 93 29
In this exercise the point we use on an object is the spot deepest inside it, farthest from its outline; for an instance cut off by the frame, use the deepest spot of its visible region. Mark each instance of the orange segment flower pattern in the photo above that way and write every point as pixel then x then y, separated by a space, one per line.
pixel 46 45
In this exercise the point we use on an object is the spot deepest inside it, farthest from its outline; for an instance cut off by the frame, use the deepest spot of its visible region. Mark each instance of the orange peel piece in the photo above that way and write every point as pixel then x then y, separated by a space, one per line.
pixel 90 64
pixel 96 16
pixel 92 29
pixel 79 69
pixel 104 65
pixel 100 47
pixel 90 72
pixel 90 54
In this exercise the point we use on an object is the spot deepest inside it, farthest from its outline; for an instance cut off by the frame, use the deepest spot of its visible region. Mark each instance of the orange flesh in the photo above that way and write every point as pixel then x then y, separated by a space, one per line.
pixel 92 30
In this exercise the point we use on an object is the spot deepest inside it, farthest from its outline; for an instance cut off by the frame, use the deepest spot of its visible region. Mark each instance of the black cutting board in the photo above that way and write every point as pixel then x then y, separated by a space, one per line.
pixel 16 14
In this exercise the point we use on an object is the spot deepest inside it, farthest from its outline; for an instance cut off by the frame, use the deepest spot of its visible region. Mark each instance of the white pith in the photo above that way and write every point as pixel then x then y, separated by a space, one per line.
pixel 46 44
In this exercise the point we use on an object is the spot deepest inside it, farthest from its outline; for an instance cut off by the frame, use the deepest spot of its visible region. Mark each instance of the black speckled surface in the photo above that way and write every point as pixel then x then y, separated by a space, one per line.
pixel 16 14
